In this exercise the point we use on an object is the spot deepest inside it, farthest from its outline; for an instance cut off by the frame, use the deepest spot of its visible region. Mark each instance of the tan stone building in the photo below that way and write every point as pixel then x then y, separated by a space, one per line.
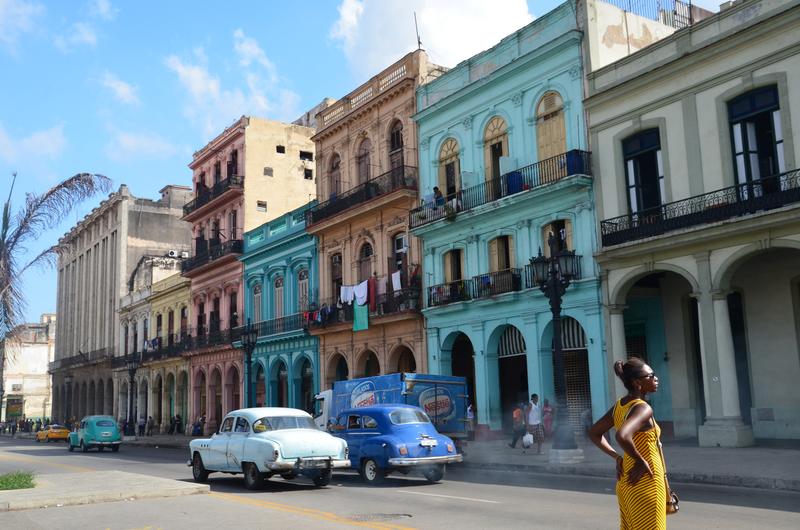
pixel 367 183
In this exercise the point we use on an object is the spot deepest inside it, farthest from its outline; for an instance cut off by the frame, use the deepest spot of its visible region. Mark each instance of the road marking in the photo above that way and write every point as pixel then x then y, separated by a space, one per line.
pixel 449 497
pixel 308 512
pixel 39 461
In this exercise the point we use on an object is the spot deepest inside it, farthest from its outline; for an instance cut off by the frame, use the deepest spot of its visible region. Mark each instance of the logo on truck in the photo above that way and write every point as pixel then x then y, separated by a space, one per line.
pixel 437 403
pixel 363 395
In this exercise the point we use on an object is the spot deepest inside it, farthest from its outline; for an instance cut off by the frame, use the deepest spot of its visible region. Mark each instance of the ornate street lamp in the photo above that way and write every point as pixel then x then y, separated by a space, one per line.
pixel 553 275
pixel 249 340
pixel 68 395
pixel 132 364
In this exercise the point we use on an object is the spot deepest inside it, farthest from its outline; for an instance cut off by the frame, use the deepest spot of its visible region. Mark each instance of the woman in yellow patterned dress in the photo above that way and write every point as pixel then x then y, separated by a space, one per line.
pixel 641 491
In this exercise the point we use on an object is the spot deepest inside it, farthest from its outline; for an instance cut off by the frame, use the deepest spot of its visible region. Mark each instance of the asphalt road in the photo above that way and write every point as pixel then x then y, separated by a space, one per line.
pixel 463 500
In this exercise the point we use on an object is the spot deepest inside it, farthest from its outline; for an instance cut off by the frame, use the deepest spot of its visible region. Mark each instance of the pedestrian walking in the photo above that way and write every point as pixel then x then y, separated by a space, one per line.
pixel 547 418
pixel 178 424
pixel 141 426
pixel 150 424
pixel 470 422
pixel 533 422
pixel 642 490
pixel 517 425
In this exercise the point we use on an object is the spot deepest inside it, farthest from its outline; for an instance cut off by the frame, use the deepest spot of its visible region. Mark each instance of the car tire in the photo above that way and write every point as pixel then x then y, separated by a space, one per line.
pixel 371 472
pixel 253 478
pixel 434 473
pixel 322 478
pixel 199 472
pixel 70 447
pixel 84 447
pixel 114 448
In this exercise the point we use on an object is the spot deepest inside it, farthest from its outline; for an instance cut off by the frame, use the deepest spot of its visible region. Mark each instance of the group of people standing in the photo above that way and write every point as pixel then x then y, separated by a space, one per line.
pixel 534 419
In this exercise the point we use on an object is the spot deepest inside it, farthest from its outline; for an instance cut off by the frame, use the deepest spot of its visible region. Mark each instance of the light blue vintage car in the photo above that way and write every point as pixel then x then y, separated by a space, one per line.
pixel 95 431
pixel 267 441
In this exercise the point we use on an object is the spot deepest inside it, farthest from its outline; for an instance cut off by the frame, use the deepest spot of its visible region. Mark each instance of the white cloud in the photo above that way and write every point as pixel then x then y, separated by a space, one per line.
pixel 103 9
pixel 373 34
pixel 16 18
pixel 124 146
pixel 80 33
pixel 258 93
pixel 45 143
pixel 123 91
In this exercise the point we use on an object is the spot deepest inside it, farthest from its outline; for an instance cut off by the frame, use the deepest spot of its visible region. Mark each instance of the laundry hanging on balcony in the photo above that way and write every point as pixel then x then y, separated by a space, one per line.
pixel 396 285
pixel 360 317
pixel 361 292
pixel 346 294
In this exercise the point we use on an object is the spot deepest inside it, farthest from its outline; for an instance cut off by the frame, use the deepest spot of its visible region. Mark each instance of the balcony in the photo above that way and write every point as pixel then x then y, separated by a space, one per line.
pixel 451 292
pixel 391 303
pixel 267 328
pixel 206 195
pixel 214 252
pixel 403 177
pixel 540 174
pixel 79 359
pixel 158 349
pixel 728 203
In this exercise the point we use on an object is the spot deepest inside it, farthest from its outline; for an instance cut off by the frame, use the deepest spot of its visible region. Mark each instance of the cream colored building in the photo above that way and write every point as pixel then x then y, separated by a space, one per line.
pixel 698 196
pixel 24 381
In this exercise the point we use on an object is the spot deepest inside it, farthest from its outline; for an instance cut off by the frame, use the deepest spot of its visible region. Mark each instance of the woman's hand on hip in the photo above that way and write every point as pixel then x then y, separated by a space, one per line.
pixel 639 469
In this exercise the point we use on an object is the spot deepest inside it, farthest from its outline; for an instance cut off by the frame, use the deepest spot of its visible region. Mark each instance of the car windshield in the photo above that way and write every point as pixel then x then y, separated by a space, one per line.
pixel 277 423
pixel 54 427
pixel 401 416
pixel 105 423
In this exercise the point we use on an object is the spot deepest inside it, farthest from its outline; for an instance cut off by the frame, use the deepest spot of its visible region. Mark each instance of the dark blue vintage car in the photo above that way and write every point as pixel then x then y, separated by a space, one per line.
pixel 386 438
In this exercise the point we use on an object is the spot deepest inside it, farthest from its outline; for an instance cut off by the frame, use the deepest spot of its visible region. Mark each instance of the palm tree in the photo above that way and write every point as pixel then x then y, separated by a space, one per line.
pixel 40 213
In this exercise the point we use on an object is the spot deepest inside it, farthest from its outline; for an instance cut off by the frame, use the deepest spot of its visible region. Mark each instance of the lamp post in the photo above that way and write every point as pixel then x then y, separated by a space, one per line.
pixel 249 339
pixel 68 395
pixel 553 275
pixel 132 363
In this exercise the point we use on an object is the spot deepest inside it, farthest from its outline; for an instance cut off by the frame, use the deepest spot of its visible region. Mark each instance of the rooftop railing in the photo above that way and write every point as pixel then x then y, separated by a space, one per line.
pixel 207 195
pixel 674 13
pixel 727 203
pixel 542 173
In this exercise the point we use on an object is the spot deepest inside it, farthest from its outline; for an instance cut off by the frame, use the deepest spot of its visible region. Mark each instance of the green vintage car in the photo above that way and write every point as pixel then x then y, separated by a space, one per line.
pixel 95 431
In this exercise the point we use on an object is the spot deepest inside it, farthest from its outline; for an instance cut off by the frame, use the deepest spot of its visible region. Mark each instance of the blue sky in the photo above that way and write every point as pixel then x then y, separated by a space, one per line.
pixel 130 89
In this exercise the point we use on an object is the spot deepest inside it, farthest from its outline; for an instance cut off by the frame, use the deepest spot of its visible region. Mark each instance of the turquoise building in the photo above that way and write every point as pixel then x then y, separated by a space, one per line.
pixel 280 278
pixel 503 163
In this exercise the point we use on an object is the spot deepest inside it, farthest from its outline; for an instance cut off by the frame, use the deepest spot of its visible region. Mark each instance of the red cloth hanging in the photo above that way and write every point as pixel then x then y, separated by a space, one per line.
pixel 372 290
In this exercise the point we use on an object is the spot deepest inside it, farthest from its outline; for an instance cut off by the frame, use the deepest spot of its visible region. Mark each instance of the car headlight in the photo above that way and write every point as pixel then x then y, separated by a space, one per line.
pixel 450 448
pixel 402 449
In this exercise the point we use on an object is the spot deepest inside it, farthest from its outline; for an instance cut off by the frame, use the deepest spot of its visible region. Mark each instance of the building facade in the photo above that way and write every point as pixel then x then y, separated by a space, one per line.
pixel 698 202
pixel 280 275
pixel 25 354
pixel 101 254
pixel 502 139
pixel 268 171
pixel 367 181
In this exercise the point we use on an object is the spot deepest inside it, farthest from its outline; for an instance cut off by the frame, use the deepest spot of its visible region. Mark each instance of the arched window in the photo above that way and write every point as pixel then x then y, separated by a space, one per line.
pixel 257 303
pixel 551 135
pixel 302 290
pixel 396 145
pixel 364 262
pixel 562 232
pixel 495 146
pixel 449 169
pixel 278 297
pixel 362 160
pixel 335 176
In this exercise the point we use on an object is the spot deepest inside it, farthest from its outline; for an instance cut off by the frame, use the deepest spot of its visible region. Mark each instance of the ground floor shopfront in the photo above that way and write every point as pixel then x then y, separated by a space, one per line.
pixel 503 346
pixel 716 311
pixel 285 371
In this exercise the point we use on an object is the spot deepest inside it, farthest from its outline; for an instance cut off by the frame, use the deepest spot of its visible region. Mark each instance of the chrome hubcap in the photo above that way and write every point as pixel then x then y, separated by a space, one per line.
pixel 369 470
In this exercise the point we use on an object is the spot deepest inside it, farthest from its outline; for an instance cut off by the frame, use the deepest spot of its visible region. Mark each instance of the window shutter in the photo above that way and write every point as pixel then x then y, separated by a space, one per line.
pixel 568 229
pixel 448 267
pixel 462 272
pixel 493 263
pixel 511 255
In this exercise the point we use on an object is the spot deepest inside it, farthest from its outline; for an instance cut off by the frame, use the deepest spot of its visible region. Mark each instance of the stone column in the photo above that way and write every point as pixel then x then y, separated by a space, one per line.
pixel 619 346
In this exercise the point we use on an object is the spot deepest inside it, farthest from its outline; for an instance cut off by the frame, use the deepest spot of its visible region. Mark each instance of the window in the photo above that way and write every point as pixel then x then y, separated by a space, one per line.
pixel 453 265
pixel 362 160
pixel 125 339
pixel 449 171
pixel 334 176
pixel 201 319
pixel 233 223
pixel 257 303
pixel 267 171
pixel 227 425
pixel 501 253
pixel 280 149
pixel 159 320
pixel 233 163
pixel 396 145
pixel 369 422
pixel 277 423
pixel 278 300
pixel 353 422
pixel 336 274
pixel 217 172
pixel 399 252
pixel 233 316
pixel 757 136
pixel 402 416
pixel 308 174
pixel 242 425
pixel 562 231
pixel 364 262
pixel 145 330
pixel 170 326
pixel 302 290
pixel 551 136
pixel 644 170
pixel 307 155
pixel 184 321
pixel 135 337
pixel 495 139
pixel 214 323
pixel 261 206
pixel 200 185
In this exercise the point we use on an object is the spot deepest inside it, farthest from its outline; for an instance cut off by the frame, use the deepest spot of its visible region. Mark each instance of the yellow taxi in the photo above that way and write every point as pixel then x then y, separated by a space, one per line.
pixel 52 432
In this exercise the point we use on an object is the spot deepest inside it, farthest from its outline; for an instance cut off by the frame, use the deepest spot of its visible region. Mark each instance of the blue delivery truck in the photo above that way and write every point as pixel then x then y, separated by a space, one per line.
pixel 442 397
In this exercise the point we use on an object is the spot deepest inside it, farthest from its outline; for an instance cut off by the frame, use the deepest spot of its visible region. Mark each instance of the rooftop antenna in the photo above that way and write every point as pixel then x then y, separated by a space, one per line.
pixel 416 28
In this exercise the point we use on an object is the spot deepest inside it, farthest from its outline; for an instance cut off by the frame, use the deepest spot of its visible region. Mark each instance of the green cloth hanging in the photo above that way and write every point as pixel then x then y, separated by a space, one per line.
pixel 360 317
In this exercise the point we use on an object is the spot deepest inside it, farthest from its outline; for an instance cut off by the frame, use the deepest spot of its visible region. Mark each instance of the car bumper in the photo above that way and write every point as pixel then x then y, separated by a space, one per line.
pixel 425 460
pixel 103 444
pixel 301 464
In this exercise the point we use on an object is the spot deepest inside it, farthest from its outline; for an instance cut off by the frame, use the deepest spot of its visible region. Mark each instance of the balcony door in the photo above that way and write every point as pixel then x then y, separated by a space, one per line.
pixel 449 173
pixel 644 171
pixel 551 136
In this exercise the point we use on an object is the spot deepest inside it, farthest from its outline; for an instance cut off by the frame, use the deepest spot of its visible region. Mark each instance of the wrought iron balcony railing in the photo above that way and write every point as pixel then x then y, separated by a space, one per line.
pixel 207 195
pixel 736 201
pixel 495 283
pixel 233 246
pixel 330 311
pixel 92 357
pixel 403 177
pixel 451 292
pixel 533 176
pixel 285 324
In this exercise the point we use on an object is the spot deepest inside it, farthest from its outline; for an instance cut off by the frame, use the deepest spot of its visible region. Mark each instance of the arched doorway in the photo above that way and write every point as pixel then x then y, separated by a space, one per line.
pixel 261 387
pixel 305 396
pixel 141 407
pixel 158 404
pixel 368 364
pixel 201 398
pixel 279 385
pixel 512 363
pixel 171 408
pixel 90 399
pixel 337 370
pixel 183 400
pixel 462 363
pixel 100 397
pixel 216 397
pixel 403 361
pixel 123 401
pixel 108 407
pixel 232 396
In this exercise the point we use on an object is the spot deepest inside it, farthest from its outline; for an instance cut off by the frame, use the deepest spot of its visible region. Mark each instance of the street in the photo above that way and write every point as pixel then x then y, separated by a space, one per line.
pixel 462 500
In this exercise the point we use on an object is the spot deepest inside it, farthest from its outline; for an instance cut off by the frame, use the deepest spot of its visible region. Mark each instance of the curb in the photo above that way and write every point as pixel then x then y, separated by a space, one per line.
pixel 767 483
